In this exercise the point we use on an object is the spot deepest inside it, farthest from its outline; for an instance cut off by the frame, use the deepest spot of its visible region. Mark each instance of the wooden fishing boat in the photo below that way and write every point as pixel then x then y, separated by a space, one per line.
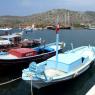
pixel 70 65
pixel 15 40
pixel 20 58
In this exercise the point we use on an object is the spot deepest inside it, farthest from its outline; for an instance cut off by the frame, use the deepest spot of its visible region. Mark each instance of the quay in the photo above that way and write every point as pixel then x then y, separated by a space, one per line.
pixel 91 91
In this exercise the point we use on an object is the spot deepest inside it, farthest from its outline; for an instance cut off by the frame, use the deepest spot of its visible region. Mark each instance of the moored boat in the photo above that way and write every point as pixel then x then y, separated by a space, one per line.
pixel 20 58
pixel 5 29
pixel 15 40
pixel 70 65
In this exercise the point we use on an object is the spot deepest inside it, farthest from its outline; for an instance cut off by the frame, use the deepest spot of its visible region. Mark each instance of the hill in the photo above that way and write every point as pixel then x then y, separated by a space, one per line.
pixel 66 17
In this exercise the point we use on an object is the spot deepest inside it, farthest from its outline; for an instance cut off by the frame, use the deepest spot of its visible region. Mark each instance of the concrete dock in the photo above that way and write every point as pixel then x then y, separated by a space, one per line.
pixel 91 91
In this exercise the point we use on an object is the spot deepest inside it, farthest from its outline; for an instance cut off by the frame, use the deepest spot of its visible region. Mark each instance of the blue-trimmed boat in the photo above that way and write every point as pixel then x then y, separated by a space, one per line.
pixel 70 65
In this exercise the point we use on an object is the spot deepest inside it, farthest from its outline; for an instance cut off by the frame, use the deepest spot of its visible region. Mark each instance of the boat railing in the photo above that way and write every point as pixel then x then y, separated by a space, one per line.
pixel 76 49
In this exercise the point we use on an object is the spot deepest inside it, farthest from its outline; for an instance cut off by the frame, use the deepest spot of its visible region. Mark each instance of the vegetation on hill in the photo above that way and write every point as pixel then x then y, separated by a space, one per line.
pixel 66 17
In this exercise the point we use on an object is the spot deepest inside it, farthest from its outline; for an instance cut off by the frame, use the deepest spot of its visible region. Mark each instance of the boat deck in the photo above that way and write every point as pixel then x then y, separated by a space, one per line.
pixel 54 73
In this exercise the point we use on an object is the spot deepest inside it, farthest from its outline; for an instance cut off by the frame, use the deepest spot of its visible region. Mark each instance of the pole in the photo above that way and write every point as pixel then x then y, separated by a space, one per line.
pixel 57 41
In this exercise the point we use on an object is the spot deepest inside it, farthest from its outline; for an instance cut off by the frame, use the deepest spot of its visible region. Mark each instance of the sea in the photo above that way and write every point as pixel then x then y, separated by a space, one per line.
pixel 76 86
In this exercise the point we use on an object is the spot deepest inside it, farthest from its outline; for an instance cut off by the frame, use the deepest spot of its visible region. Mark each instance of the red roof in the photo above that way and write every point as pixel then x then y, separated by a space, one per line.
pixel 23 52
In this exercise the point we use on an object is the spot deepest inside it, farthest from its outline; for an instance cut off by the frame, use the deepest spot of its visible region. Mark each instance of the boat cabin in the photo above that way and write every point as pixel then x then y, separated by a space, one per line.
pixel 67 62
pixel 14 38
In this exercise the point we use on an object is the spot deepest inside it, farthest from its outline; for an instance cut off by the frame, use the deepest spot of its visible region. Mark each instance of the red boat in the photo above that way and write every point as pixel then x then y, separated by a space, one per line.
pixel 18 59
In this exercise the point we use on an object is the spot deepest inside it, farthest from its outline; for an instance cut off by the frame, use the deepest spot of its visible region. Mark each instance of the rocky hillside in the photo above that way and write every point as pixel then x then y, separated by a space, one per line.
pixel 65 17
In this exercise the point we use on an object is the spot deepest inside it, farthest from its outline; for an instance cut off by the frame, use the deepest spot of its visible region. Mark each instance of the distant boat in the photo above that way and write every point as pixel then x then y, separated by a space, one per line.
pixel 15 40
pixel 61 27
pixel 5 29
pixel 27 29
pixel 91 27
pixel 51 27
pixel 30 28
pixel 66 27
pixel 20 58
pixel 70 65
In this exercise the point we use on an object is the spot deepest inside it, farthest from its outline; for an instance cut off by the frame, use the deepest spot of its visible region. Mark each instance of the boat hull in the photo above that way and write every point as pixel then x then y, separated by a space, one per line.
pixel 21 63
pixel 42 84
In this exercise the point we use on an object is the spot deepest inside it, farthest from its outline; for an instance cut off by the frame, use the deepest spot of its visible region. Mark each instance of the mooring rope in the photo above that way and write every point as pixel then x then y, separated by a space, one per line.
pixel 7 82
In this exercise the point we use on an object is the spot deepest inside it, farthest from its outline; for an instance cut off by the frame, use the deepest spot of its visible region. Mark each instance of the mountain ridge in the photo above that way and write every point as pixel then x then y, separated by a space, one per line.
pixel 49 18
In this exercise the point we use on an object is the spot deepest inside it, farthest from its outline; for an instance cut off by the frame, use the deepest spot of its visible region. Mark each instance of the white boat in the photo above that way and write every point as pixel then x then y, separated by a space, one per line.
pixel 30 28
pixel 16 40
pixel 17 59
pixel 91 27
pixel 70 65
pixel 5 29
pixel 7 39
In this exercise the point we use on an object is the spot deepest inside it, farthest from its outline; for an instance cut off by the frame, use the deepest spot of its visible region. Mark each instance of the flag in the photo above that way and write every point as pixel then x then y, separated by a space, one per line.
pixel 57 28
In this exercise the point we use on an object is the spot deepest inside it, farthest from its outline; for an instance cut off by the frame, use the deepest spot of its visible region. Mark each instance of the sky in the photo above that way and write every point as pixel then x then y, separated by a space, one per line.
pixel 29 7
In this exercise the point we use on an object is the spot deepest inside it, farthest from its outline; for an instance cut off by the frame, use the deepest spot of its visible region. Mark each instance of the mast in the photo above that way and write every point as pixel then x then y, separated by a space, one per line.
pixel 65 20
pixel 57 40
pixel 68 19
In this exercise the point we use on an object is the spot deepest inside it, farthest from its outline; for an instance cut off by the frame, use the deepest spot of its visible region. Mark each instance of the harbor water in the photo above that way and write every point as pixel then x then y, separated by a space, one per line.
pixel 77 86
